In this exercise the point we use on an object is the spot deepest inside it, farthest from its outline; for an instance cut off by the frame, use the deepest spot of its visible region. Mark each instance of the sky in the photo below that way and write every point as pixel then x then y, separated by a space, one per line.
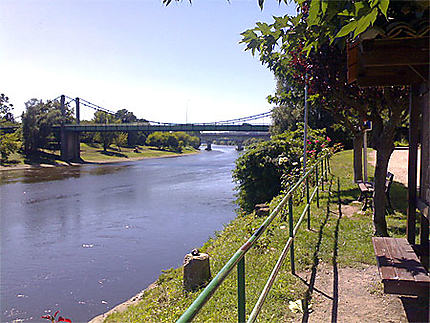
pixel 181 63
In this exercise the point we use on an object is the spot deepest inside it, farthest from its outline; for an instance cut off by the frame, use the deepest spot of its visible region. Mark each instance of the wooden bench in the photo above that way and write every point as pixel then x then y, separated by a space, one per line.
pixel 400 269
pixel 367 189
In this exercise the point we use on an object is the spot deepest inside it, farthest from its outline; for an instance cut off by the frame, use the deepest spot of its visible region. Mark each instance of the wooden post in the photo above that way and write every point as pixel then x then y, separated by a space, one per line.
pixel 414 115
pixel 424 192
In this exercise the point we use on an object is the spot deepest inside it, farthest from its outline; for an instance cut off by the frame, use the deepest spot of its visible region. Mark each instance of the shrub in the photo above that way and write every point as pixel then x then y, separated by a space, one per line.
pixel 268 167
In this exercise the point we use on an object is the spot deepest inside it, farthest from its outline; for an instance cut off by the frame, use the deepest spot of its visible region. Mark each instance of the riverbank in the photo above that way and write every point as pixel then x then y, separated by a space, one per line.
pixel 91 154
pixel 338 246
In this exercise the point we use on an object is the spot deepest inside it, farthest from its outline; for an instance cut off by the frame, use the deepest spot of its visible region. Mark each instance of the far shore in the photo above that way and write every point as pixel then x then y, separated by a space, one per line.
pixel 92 162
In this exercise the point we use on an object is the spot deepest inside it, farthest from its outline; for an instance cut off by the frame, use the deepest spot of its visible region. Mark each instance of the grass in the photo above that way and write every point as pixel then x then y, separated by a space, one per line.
pixel 340 241
pixel 94 153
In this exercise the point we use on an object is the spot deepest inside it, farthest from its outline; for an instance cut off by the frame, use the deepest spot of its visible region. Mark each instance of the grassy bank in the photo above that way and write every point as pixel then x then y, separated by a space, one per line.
pixel 94 154
pixel 338 240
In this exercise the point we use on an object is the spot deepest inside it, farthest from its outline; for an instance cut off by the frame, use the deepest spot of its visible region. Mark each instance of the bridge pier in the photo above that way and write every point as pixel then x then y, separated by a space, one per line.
pixel 208 145
pixel 70 145
pixel 239 146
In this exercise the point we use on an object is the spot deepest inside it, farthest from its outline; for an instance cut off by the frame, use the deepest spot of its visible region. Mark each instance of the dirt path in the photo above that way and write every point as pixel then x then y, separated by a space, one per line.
pixel 398 164
pixel 356 295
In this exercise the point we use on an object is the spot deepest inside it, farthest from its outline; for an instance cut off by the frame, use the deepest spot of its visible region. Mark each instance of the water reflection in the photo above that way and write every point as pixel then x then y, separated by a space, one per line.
pixel 47 174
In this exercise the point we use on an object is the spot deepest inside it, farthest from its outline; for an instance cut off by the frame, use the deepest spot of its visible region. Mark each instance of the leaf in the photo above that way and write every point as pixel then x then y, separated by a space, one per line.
pixel 345 30
pixel 383 5
pixel 260 3
pixel 313 13
pixel 324 5
pixel 346 13
pixel 364 22
pixel 264 28
pixel 358 6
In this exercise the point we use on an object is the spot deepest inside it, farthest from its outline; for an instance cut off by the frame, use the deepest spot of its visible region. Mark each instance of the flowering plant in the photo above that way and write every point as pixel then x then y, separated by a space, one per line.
pixel 54 319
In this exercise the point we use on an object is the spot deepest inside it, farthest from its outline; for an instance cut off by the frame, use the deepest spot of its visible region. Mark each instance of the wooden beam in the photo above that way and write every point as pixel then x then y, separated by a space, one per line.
pixel 389 76
pixel 414 116
pixel 395 52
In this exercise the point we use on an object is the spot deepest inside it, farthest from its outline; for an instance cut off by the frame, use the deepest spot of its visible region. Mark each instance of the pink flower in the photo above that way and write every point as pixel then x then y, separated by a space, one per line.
pixel 328 139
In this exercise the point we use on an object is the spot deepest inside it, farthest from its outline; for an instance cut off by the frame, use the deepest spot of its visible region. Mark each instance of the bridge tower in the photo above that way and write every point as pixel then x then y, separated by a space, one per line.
pixel 70 141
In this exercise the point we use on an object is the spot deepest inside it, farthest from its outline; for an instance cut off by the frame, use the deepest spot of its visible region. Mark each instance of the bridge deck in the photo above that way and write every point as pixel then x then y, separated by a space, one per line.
pixel 168 127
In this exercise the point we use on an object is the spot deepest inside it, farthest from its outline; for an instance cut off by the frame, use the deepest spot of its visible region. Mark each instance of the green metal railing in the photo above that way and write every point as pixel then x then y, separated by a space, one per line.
pixel 320 170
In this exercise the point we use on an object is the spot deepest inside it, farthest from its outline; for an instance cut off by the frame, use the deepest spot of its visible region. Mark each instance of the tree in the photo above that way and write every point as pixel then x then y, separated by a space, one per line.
pixel 105 138
pixel 304 50
pixel 120 140
pixel 9 143
pixel 37 122
pixel 125 116
pixel 6 109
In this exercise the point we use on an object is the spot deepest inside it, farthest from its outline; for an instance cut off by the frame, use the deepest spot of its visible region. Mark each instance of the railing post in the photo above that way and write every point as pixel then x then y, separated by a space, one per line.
pixel 318 185
pixel 325 172
pixel 338 195
pixel 290 224
pixel 328 164
pixel 308 203
pixel 322 175
pixel 241 291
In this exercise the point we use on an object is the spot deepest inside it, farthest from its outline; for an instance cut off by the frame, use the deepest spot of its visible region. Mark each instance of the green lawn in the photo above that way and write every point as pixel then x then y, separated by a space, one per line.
pixel 94 153
pixel 333 239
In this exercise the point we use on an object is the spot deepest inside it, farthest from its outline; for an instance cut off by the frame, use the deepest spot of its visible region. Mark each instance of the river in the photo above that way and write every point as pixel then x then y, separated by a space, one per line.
pixel 84 239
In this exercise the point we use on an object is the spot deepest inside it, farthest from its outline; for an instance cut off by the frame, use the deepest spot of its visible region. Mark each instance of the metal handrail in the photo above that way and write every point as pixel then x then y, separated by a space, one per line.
pixel 239 256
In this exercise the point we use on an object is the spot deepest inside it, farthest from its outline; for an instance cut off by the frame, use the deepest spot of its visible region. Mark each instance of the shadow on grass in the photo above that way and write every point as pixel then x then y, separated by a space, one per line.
pixel 311 284
pixel 112 153
pixel 12 162
pixel 398 194
pixel 42 157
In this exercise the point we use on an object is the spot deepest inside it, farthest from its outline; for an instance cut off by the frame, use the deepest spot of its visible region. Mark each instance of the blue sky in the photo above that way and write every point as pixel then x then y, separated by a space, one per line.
pixel 155 61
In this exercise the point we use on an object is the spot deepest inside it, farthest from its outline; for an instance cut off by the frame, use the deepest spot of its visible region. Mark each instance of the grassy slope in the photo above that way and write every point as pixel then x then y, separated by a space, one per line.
pixel 344 241
pixel 95 153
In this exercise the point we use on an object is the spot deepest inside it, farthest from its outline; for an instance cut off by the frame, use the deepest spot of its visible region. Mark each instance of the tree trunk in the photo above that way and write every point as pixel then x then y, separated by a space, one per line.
pixel 358 161
pixel 382 158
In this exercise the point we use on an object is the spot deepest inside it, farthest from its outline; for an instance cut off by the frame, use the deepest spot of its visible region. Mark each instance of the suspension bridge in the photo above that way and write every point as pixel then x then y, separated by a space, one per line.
pixel 69 133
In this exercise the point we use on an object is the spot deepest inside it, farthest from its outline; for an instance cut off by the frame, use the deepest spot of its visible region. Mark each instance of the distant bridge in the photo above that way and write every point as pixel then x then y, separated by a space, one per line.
pixel 237 137
pixel 69 133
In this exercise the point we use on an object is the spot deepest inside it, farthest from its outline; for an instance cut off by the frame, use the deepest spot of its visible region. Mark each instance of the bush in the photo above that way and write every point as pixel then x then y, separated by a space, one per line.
pixel 172 141
pixel 268 167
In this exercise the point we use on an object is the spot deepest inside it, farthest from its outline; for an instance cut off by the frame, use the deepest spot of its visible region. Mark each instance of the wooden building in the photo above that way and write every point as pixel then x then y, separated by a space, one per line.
pixel 401 57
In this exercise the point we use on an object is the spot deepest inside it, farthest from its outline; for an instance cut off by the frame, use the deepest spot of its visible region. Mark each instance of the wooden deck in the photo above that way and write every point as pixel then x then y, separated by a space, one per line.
pixel 401 271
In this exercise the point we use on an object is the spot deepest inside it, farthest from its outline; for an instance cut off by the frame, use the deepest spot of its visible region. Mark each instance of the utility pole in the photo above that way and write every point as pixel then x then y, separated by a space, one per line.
pixel 305 137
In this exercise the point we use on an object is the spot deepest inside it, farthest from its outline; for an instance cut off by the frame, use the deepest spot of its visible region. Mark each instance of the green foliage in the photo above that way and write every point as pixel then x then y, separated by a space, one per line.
pixel 268 167
pixel 105 138
pixel 9 143
pixel 172 141
pixel 120 140
pixel 6 109
pixel 37 122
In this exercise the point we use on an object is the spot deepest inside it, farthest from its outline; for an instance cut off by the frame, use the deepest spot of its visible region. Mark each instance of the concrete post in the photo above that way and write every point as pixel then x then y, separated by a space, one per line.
pixel 70 145
pixel 208 145
pixel 239 146
pixel 197 270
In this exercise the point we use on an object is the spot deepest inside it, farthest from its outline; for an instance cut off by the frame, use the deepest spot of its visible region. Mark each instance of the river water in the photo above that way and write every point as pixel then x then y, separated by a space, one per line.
pixel 84 239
